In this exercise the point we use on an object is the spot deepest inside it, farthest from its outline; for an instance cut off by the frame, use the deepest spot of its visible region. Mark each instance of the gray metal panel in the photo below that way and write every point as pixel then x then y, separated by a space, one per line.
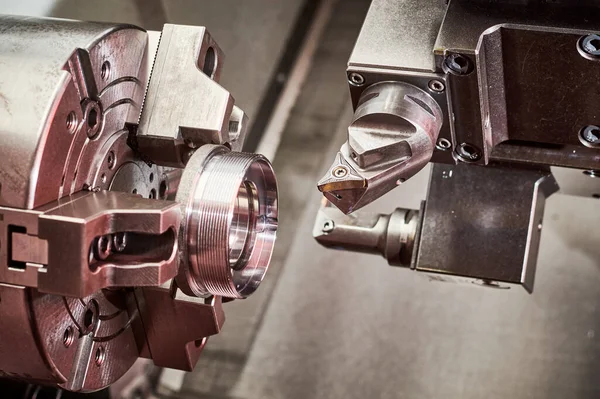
pixel 399 33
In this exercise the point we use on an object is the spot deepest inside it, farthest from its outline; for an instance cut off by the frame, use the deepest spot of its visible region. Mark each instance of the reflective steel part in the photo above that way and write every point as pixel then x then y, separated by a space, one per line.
pixel 512 89
pixel 484 223
pixel 230 202
pixel 392 236
pixel 99 215
pixel 392 136
pixel 170 127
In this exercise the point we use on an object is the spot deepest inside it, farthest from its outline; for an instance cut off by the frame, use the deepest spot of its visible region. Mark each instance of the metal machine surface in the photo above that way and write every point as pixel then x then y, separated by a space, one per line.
pixel 502 96
pixel 127 212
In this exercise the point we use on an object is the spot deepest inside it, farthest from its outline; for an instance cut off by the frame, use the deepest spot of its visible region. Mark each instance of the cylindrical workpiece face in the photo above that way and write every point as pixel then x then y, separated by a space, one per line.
pixel 230 201
pixel 65 88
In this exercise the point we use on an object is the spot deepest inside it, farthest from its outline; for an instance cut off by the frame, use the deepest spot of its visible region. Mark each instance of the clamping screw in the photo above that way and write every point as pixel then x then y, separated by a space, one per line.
pixel 356 79
pixel 457 64
pixel 436 86
pixel 328 226
pixel 468 152
pixel 339 172
pixel 590 45
pixel 590 136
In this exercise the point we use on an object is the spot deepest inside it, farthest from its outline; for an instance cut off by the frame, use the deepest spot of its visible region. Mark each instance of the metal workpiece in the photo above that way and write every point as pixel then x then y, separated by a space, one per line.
pixel 231 210
pixel 392 136
pixel 484 222
pixel 99 215
pixel 392 236
pixel 175 119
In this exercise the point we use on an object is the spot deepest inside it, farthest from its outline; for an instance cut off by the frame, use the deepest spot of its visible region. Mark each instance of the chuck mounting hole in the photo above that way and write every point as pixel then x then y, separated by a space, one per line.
pixel 92 118
pixel 162 190
pixel 68 337
pixel 100 355
pixel 210 62
pixel 111 159
pixel 72 122
pixel 105 70
pixel 88 318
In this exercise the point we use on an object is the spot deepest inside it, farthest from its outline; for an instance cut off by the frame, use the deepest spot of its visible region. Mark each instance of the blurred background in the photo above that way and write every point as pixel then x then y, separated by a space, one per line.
pixel 329 324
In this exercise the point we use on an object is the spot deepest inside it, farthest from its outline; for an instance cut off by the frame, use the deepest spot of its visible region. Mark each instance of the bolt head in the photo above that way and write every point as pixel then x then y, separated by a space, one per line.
pixel 328 226
pixel 590 44
pixel 356 79
pixel 339 172
pixel 468 152
pixel 590 136
pixel 457 64
pixel 436 86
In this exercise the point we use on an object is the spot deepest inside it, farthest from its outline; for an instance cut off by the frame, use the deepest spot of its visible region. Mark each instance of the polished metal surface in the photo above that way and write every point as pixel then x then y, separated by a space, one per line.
pixel 392 136
pixel 392 236
pixel 91 234
pixel 169 127
pixel 43 80
pixel 484 222
pixel 396 32
pixel 230 205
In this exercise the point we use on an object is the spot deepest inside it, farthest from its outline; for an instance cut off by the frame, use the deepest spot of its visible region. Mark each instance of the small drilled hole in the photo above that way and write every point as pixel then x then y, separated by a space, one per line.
pixel 100 354
pixel 105 70
pixel 151 177
pixel 210 62
pixel 152 194
pixel 111 159
pixel 71 122
pixel 134 191
pixel 68 337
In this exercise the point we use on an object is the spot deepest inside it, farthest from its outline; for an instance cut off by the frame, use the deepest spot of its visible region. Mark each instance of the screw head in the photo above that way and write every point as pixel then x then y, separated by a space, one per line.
pixel 356 79
pixel 590 45
pixel 436 86
pixel 458 64
pixel 443 144
pixel 328 226
pixel 339 172
pixel 590 136
pixel 468 152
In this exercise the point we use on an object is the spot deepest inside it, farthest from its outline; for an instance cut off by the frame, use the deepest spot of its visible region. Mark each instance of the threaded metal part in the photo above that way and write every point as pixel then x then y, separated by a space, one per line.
pixel 211 206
